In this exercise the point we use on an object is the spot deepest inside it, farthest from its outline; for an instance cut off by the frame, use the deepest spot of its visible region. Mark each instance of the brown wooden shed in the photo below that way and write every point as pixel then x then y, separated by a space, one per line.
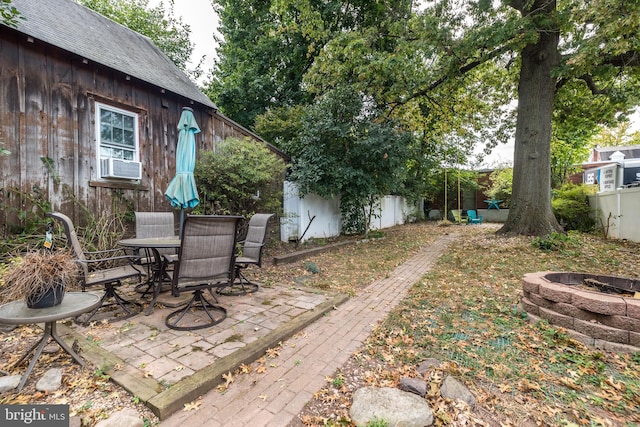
pixel 88 110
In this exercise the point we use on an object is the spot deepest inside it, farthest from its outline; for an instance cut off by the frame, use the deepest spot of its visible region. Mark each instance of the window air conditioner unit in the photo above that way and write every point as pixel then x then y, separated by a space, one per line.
pixel 126 169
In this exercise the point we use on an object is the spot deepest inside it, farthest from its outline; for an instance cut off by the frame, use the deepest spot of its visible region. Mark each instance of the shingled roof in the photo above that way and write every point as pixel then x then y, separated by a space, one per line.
pixel 601 154
pixel 77 29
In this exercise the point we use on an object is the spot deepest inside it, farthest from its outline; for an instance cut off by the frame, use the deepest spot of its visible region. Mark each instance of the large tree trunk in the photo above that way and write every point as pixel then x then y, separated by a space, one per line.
pixel 530 210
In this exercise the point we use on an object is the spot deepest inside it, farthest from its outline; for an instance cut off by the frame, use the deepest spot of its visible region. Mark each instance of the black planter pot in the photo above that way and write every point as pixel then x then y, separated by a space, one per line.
pixel 51 297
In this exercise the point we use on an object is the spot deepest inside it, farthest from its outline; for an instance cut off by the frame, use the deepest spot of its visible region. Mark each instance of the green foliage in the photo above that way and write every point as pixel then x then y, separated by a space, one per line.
pixel 240 177
pixel 31 215
pixel 260 61
pixel 338 381
pixel 378 422
pixel 268 47
pixel 552 242
pixel 280 125
pixel 166 31
pixel 95 232
pixel 618 136
pixel 9 15
pixel 456 179
pixel 347 149
pixel 571 207
pixel 499 188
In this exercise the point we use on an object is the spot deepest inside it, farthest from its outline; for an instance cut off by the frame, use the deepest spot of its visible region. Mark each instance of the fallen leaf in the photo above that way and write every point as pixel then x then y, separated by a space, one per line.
pixel 228 378
pixel 192 406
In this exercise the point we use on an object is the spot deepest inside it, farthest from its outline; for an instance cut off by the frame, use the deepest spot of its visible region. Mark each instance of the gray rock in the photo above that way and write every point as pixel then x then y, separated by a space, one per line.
pixel 413 385
pixel 9 383
pixel 50 381
pixel 455 390
pixel 51 348
pixel 427 365
pixel 125 418
pixel 396 407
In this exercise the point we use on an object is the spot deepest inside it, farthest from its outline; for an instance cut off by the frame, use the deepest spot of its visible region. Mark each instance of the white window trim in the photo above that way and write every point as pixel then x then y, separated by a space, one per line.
pixel 98 124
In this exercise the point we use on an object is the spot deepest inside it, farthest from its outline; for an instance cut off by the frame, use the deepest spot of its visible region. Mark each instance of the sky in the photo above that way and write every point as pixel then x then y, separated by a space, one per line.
pixel 202 19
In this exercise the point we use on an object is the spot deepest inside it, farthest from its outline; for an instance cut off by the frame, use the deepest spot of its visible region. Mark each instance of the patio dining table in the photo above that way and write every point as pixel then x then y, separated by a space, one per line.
pixel 151 245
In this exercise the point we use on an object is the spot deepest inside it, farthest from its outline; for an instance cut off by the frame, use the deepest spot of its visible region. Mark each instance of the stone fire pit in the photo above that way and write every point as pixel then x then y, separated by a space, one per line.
pixel 600 311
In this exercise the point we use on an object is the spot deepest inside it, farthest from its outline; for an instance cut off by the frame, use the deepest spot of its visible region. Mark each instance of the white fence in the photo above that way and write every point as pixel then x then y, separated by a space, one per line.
pixel 322 217
pixel 618 210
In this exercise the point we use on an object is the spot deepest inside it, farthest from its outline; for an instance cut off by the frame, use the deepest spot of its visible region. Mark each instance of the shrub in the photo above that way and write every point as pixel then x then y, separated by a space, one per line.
pixel 571 208
pixel 241 177
pixel 552 242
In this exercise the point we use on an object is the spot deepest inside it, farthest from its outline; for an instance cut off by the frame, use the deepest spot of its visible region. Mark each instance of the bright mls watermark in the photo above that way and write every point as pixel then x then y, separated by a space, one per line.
pixel 34 415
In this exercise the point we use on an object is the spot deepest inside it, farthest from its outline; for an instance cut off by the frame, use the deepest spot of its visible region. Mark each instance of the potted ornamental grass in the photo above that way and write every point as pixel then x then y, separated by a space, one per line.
pixel 41 278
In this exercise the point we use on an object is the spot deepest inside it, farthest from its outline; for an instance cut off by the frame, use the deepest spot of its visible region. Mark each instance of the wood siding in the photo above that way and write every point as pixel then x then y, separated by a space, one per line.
pixel 47 121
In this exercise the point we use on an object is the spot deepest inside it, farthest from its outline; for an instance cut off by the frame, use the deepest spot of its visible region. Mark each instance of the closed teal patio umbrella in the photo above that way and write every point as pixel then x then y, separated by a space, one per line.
pixel 182 192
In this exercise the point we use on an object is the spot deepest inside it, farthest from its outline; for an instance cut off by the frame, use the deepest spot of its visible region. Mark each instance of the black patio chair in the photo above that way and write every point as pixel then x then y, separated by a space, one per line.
pixel 205 261
pixel 94 273
pixel 250 254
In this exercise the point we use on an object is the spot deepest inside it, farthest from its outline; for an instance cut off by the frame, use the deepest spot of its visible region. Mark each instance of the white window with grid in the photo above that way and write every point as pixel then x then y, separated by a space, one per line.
pixel 118 145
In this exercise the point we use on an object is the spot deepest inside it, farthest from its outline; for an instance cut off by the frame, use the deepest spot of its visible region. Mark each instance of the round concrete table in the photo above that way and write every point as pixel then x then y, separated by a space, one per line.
pixel 73 304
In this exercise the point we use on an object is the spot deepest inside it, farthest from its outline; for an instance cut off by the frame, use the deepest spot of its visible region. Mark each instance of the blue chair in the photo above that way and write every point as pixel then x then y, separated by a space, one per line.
pixel 473 217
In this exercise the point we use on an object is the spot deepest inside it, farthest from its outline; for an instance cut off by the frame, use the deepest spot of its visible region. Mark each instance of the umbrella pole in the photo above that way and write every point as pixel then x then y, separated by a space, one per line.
pixel 181 222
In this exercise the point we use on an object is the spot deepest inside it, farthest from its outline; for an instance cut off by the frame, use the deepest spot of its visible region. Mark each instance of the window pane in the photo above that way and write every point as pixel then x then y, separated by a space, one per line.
pixel 128 138
pixel 128 123
pixel 128 155
pixel 117 135
pixel 105 116
pixel 105 133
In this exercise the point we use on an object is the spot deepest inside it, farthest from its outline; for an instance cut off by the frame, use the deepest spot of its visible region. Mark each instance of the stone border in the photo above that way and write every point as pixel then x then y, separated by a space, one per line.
pixel 599 320
pixel 295 256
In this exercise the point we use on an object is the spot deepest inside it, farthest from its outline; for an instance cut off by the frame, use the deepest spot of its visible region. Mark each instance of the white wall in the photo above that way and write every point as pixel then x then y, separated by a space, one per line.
pixel 623 205
pixel 393 210
pixel 299 211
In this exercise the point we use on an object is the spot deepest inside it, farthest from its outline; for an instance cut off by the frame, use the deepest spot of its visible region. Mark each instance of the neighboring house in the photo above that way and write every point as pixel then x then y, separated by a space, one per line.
pixel 603 154
pixel 88 110
pixel 616 171
pixel 613 167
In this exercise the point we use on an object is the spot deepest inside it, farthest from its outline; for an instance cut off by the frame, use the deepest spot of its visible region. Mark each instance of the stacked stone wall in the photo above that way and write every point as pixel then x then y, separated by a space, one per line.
pixel 600 320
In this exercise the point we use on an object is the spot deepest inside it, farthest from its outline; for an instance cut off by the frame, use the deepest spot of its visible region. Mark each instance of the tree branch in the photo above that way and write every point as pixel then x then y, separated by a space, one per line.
pixel 517 5
pixel 592 85
pixel 588 79
pixel 627 59
pixel 460 71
